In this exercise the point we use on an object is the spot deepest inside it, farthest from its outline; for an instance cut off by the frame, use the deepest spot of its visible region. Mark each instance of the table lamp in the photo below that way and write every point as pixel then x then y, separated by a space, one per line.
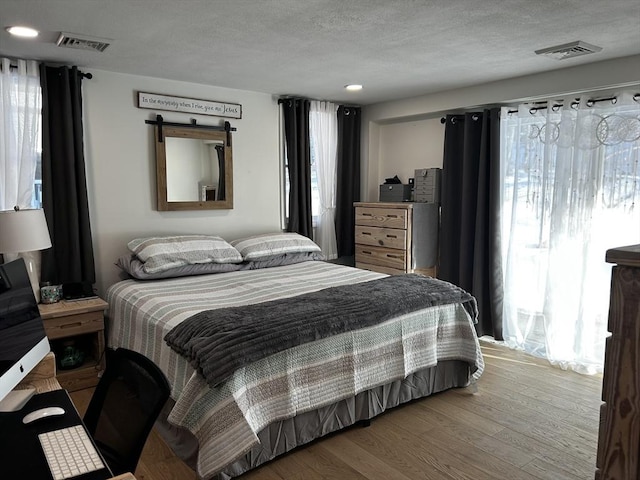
pixel 23 233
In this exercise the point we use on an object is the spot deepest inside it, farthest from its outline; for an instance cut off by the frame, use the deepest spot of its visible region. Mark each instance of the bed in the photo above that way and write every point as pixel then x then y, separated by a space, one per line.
pixel 271 405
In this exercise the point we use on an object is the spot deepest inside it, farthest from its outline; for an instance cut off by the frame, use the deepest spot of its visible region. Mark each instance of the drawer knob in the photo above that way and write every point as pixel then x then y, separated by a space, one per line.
pixel 380 242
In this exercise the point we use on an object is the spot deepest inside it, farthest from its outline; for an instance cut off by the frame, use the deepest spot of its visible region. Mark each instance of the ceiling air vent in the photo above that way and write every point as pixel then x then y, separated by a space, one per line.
pixel 568 50
pixel 82 42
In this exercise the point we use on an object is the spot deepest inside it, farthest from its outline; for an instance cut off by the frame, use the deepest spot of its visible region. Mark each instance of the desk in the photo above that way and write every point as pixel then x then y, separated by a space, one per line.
pixel 43 379
pixel 20 452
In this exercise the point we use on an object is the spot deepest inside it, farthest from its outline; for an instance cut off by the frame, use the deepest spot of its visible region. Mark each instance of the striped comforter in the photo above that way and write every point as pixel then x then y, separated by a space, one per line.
pixel 226 419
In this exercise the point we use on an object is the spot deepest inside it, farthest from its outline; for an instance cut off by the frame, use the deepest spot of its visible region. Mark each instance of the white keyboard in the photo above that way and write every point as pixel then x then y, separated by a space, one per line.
pixel 69 452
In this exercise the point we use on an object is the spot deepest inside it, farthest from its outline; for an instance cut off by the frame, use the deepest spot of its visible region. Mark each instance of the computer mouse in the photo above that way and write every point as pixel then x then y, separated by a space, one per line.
pixel 42 413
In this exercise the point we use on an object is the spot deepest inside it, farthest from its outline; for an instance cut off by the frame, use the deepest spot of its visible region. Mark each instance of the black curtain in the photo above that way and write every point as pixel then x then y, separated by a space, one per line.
pixel 221 173
pixel 296 132
pixel 64 185
pixel 470 225
pixel 347 178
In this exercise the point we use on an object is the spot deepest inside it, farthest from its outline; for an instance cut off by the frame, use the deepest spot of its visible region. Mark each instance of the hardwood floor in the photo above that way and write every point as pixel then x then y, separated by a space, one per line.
pixel 526 421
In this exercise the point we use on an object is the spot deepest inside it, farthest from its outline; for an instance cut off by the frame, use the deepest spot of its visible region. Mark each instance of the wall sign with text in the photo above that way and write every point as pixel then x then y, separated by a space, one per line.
pixel 155 101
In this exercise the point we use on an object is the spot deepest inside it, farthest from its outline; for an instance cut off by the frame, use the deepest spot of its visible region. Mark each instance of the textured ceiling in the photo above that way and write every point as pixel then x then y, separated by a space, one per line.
pixel 312 48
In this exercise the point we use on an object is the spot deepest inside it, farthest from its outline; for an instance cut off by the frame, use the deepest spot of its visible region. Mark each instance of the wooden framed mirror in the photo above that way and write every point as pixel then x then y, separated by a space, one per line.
pixel 194 167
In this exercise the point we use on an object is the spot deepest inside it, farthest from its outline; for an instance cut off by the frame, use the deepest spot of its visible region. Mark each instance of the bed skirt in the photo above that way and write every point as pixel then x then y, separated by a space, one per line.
pixel 285 435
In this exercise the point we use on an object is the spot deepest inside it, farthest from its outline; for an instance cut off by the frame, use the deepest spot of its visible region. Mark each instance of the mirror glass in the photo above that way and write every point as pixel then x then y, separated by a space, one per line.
pixel 194 169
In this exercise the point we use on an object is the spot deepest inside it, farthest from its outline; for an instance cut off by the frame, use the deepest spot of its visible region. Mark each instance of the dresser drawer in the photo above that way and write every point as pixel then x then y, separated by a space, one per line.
pixel 381 217
pixel 379 269
pixel 385 257
pixel 383 237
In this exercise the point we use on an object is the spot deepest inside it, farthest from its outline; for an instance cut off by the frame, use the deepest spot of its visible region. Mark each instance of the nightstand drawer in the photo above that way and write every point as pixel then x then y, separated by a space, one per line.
pixel 382 237
pixel 62 327
pixel 381 217
pixel 385 257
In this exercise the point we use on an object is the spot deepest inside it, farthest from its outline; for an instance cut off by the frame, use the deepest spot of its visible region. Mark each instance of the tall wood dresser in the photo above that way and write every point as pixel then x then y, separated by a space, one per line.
pixel 397 237
pixel 619 435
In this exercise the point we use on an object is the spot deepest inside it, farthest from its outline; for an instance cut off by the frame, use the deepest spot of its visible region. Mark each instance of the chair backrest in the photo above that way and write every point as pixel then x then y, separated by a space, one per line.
pixel 124 407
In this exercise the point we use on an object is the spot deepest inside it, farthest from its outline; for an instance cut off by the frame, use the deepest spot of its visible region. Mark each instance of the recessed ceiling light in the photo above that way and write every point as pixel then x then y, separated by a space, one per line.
pixel 22 31
pixel 353 87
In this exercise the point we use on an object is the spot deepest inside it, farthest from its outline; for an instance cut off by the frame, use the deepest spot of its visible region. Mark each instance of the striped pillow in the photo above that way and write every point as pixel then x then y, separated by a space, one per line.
pixel 163 253
pixel 272 244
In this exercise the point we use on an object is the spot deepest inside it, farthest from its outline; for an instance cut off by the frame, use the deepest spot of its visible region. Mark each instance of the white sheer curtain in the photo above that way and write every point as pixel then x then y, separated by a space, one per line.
pixel 570 191
pixel 323 130
pixel 20 133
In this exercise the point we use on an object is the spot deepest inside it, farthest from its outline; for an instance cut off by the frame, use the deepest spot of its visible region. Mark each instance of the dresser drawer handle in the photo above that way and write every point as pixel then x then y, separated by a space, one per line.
pixel 392 216
pixel 392 236
pixel 366 252
pixel 366 233
pixel 367 214
pixel 71 325
pixel 389 255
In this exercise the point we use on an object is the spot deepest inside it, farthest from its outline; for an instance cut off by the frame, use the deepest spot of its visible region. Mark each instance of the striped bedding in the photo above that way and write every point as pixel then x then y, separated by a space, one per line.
pixel 226 420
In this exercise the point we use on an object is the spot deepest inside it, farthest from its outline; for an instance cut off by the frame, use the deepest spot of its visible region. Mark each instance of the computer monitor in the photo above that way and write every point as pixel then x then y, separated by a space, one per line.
pixel 23 341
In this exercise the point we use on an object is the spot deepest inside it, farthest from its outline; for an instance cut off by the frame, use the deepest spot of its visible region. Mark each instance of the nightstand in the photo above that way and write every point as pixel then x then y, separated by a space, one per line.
pixel 83 322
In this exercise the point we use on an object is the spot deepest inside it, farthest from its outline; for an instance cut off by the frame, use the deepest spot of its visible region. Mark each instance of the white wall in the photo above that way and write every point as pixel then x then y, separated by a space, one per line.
pixel 406 146
pixel 393 132
pixel 120 159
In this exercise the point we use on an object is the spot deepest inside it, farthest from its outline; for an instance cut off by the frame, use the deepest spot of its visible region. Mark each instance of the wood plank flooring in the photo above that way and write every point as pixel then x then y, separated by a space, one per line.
pixel 526 421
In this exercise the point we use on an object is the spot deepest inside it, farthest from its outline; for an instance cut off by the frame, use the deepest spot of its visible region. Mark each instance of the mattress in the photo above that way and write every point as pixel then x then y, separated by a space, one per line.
pixel 227 421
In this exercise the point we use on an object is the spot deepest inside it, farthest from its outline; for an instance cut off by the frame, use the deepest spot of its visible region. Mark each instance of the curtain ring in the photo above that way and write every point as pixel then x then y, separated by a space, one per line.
pixel 453 120
pixel 636 97
pixel 590 103
pixel 556 107
pixel 533 110
pixel 614 100
pixel 475 117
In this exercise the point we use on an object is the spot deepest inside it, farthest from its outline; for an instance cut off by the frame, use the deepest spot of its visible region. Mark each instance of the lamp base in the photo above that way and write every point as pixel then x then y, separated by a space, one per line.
pixel 33 262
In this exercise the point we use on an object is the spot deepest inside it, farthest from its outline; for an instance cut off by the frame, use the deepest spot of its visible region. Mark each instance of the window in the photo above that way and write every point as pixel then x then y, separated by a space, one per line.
pixel 323 139
pixel 570 188
pixel 21 149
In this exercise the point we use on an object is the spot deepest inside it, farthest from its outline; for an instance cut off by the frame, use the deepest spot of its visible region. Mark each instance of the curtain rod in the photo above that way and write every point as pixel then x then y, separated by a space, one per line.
pixel 346 105
pixel 460 118
pixel 589 103
pixel 87 75
pixel 542 105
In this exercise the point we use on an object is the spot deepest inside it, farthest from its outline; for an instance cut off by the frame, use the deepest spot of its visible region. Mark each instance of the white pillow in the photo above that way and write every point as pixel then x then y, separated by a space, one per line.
pixel 163 253
pixel 273 244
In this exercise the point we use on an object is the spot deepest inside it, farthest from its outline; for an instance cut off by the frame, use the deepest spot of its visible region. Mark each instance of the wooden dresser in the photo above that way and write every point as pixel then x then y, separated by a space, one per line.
pixel 398 237
pixel 619 435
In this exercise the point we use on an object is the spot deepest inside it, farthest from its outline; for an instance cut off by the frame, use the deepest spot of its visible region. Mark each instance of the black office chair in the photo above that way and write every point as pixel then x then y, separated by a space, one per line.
pixel 124 407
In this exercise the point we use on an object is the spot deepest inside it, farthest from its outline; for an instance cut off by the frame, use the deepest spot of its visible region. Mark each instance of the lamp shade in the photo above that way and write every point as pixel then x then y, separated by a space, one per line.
pixel 23 231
